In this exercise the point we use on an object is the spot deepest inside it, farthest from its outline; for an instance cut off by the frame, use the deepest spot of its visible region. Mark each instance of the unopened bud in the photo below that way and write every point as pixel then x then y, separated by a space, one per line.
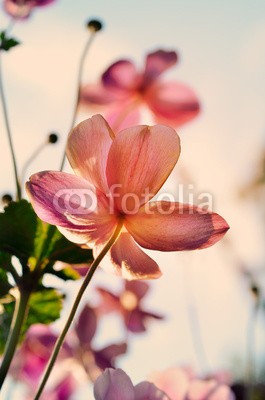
pixel 6 199
pixel 94 25
pixel 52 138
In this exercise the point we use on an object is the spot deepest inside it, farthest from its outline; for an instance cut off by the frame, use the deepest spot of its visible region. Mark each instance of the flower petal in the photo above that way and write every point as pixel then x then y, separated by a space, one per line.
pixel 156 63
pixel 128 260
pixel 139 162
pixel 148 391
pixel 87 150
pixel 168 226
pixel 80 212
pixel 172 103
pixel 118 120
pixel 122 75
pixel 113 384
pixel 99 95
pixel 86 326
pixel 137 287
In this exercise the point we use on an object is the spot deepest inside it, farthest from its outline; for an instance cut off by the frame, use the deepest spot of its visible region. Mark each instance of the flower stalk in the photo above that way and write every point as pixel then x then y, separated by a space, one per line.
pixel 19 316
pixel 78 298
pixel 8 130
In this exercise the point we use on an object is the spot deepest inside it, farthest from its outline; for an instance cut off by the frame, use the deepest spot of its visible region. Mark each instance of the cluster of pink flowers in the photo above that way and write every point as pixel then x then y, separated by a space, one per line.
pixel 171 384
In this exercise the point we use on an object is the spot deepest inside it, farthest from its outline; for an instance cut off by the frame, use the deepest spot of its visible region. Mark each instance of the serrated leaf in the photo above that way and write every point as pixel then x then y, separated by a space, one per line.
pixel 44 307
pixel 7 43
pixel 18 225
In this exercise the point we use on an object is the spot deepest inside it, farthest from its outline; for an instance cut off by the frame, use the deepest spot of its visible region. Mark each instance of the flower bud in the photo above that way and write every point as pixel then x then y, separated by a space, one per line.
pixel 94 25
pixel 6 199
pixel 52 138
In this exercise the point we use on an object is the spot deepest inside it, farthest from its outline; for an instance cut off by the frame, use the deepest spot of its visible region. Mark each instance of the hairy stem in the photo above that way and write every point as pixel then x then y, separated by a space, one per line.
pixel 79 80
pixel 78 298
pixel 8 130
pixel 19 316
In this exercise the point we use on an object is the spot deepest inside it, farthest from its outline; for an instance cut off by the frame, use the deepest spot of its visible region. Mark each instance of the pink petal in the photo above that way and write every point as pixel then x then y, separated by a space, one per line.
pixel 105 358
pixel 86 326
pixel 122 115
pixel 80 212
pixel 172 103
pixel 113 384
pixel 158 62
pixel 122 75
pixel 173 381
pixel 137 287
pixel 139 162
pixel 167 226
pixel 99 95
pixel 222 392
pixel 108 301
pixel 87 150
pixel 200 390
pixel 16 10
pixel 128 260
pixel 148 391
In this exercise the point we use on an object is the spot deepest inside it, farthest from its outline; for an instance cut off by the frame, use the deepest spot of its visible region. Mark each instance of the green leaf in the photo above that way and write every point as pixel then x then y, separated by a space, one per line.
pixel 18 224
pixel 44 307
pixel 7 43
pixel 24 235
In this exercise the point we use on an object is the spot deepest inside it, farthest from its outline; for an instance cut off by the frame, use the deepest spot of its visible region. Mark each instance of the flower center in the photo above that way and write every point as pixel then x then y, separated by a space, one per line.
pixel 128 300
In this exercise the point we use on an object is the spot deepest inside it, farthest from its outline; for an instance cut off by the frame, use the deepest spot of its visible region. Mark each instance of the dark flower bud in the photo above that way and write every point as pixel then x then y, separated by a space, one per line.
pixel 255 291
pixel 94 25
pixel 52 138
pixel 6 199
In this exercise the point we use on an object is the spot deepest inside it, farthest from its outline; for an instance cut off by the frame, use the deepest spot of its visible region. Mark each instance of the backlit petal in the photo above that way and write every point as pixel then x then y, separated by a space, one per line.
pixel 87 150
pixel 122 75
pixel 113 384
pixel 148 391
pixel 158 62
pixel 99 95
pixel 68 201
pixel 128 260
pixel 172 103
pixel 168 226
pixel 139 162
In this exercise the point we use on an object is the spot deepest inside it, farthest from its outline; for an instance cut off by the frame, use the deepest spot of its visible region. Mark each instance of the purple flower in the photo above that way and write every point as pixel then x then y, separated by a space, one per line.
pixel 128 304
pixel 115 384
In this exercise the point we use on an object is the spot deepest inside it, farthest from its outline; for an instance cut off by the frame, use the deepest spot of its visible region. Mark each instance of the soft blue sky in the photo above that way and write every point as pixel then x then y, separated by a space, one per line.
pixel 222 56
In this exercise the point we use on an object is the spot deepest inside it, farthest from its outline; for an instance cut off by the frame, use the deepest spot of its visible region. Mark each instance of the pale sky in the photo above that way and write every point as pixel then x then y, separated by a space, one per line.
pixel 222 57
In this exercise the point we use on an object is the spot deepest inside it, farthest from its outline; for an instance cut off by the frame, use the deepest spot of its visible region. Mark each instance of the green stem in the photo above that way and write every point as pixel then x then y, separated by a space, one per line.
pixel 19 316
pixel 9 136
pixel 33 156
pixel 79 80
pixel 78 298
pixel 250 351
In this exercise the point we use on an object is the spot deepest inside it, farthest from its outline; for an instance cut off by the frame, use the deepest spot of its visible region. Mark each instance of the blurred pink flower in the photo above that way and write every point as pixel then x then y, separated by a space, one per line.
pixel 21 9
pixel 128 304
pixel 92 360
pixel 116 176
pixel 116 384
pixel 180 384
pixel 123 90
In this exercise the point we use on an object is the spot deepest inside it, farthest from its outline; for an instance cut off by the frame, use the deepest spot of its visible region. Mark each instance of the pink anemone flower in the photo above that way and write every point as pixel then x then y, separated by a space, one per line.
pixel 116 384
pixel 128 303
pixel 180 384
pixel 116 176
pixel 21 9
pixel 123 90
